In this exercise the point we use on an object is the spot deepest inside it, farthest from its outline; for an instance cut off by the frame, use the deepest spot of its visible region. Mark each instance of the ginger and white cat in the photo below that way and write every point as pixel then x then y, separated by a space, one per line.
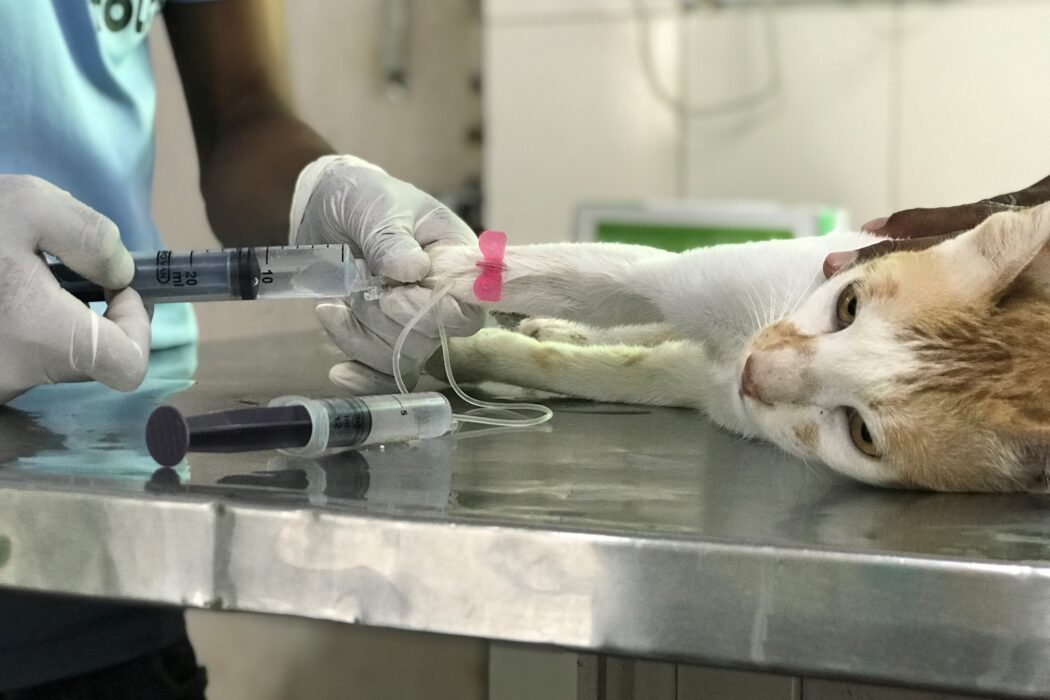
pixel 919 369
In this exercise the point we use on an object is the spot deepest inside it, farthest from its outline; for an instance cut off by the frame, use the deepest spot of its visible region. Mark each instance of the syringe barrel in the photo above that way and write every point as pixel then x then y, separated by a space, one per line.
pixel 164 276
pixel 230 274
pixel 314 271
pixel 370 420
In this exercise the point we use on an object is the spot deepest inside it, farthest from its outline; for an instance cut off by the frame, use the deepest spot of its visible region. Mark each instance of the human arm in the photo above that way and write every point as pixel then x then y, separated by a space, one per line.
pixel 259 161
pixel 916 229
pixel 250 145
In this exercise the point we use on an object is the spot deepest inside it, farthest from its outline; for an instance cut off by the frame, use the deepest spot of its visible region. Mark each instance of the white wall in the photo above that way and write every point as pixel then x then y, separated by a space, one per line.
pixel 882 106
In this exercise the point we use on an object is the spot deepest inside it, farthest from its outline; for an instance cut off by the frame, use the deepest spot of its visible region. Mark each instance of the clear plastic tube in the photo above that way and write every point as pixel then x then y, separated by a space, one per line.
pixel 545 414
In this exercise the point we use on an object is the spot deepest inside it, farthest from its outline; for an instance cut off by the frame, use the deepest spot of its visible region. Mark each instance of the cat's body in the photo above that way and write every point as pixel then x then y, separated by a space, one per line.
pixel 634 324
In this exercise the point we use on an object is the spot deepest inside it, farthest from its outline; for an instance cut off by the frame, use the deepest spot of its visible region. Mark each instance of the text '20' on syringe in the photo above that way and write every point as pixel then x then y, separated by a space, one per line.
pixel 272 272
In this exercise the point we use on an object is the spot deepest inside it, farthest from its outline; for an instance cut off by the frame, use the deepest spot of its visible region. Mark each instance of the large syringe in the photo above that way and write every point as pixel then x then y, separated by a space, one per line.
pixel 299 425
pixel 273 272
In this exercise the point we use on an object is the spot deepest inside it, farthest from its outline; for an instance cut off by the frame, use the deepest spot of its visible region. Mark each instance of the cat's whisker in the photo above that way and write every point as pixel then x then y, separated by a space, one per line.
pixel 756 317
pixel 798 293
pixel 753 303
pixel 770 310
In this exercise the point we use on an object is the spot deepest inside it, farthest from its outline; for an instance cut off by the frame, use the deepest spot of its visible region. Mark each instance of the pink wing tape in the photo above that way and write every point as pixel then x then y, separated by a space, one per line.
pixel 489 284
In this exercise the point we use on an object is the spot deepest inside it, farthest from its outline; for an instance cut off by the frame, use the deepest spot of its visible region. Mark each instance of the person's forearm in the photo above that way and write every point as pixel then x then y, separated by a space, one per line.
pixel 250 145
pixel 248 177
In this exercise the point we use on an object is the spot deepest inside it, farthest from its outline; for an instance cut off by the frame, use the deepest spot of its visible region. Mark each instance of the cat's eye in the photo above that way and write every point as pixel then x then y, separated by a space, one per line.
pixel 860 435
pixel 846 306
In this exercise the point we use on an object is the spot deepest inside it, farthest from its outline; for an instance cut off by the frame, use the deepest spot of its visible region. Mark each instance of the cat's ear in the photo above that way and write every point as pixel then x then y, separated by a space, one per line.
pixel 991 256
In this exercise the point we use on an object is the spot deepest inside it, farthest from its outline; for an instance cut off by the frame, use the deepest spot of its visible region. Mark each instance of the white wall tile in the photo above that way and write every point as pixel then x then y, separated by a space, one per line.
pixel 568 118
pixel 882 107
pixel 339 89
pixel 974 105
pixel 824 138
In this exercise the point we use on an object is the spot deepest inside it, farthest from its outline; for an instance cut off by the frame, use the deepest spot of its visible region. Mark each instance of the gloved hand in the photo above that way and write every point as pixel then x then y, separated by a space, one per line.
pixel 47 335
pixel 343 199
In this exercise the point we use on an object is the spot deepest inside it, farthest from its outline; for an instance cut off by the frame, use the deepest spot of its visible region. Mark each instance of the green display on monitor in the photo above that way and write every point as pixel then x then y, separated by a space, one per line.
pixel 679 238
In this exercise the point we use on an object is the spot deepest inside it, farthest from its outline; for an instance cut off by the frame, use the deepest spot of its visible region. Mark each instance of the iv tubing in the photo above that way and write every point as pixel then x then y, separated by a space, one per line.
pixel 545 413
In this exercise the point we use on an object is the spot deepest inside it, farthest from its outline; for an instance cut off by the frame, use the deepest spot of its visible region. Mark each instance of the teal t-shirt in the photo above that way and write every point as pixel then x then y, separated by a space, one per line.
pixel 77 103
pixel 76 108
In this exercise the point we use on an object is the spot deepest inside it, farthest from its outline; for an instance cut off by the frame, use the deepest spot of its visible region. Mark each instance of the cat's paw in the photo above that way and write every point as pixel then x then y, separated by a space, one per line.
pixel 555 330
pixel 475 358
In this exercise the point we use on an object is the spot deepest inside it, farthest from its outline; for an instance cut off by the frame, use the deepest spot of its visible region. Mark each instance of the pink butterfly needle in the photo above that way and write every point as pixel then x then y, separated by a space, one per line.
pixel 489 284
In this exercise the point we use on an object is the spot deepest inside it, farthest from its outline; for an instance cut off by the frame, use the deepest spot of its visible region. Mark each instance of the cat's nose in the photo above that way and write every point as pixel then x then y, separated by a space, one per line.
pixel 747 380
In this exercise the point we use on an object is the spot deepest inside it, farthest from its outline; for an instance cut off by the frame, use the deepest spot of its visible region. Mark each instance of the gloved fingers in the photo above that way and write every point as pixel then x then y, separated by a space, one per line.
pixel 372 316
pixel 360 341
pixel 113 349
pixel 374 217
pixel 150 308
pixel 362 380
pixel 124 344
pixel 85 240
pixel 402 303
pixel 392 252
pixel 436 223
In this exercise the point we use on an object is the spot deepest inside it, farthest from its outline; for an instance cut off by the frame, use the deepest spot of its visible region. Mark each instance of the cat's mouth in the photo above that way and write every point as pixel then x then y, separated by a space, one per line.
pixel 748 405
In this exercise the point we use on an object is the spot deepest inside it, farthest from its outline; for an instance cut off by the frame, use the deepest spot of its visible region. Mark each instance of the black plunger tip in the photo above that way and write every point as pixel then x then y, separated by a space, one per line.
pixel 167 436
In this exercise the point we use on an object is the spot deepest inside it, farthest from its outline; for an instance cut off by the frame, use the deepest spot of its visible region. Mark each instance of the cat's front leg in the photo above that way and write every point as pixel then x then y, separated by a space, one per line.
pixel 671 374
pixel 597 283
pixel 574 333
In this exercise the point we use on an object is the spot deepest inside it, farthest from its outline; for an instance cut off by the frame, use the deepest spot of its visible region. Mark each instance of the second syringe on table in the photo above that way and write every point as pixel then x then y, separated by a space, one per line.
pixel 270 272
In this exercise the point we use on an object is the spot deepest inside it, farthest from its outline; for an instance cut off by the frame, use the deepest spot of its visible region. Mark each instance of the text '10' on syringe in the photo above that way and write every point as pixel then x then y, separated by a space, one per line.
pixel 231 274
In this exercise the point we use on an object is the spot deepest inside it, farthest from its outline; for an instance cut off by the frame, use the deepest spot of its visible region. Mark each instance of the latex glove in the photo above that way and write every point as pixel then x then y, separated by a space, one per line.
pixel 47 335
pixel 343 199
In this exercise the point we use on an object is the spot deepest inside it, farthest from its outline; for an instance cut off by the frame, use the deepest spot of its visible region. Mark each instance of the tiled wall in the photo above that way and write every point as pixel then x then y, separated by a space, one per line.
pixel 882 105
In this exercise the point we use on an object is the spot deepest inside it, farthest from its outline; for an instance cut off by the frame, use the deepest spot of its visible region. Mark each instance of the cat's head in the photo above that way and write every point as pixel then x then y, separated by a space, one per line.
pixel 919 369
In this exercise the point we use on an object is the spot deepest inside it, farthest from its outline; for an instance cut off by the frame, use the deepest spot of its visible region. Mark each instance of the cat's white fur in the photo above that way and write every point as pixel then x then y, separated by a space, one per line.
pixel 942 362
pixel 713 299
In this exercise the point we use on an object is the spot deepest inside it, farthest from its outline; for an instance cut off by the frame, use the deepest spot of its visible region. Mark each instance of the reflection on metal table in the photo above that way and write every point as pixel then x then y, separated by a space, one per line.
pixel 622 529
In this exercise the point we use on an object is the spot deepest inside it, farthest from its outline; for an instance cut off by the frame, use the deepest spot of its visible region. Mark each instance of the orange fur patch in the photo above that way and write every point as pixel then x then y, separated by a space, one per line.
pixel 808 435
pixel 981 398
pixel 784 335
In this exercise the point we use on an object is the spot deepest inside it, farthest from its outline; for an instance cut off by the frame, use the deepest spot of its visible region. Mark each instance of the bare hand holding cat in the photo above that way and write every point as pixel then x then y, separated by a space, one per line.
pixel 916 229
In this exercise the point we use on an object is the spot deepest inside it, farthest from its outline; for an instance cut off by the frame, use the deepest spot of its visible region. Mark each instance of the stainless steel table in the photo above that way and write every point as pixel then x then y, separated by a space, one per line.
pixel 618 529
